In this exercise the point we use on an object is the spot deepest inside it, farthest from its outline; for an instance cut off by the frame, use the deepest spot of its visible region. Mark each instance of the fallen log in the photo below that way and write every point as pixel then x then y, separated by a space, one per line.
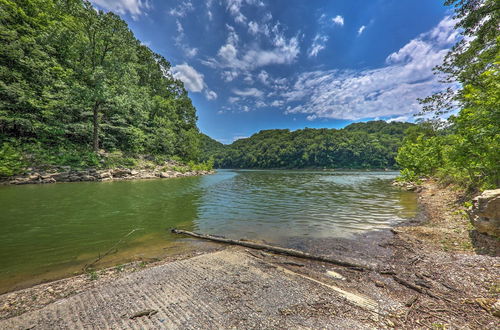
pixel 275 249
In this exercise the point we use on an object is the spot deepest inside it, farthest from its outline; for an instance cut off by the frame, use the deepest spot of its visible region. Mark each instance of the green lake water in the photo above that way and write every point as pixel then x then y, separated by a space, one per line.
pixel 49 231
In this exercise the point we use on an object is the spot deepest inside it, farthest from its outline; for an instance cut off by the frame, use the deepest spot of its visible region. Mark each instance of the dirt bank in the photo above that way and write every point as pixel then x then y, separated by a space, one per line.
pixel 433 272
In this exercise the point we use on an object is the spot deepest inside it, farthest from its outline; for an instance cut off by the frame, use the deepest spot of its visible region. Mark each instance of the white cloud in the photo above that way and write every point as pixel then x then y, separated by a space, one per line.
pixel 179 41
pixel 254 92
pixel 133 7
pixel 400 118
pixel 282 51
pixel 277 103
pixel 238 137
pixel 318 45
pixel 263 76
pixel 210 95
pixel 253 27
pixel 228 76
pixel 182 9
pixel 361 29
pixel 208 4
pixel 192 79
pixel 234 8
pixel 389 91
pixel 233 99
pixel 339 20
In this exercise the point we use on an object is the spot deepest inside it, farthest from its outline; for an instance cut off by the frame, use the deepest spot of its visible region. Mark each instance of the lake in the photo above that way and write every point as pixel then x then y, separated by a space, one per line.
pixel 51 231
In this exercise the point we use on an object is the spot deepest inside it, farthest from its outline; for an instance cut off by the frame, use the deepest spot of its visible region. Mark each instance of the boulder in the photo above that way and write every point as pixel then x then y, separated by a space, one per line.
pixel 120 172
pixel 104 175
pixel 165 175
pixel 62 176
pixel 49 180
pixel 485 213
pixel 87 178
pixel 134 172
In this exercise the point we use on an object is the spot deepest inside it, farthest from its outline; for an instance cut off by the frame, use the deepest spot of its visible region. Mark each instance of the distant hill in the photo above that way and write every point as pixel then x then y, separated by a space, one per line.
pixel 358 146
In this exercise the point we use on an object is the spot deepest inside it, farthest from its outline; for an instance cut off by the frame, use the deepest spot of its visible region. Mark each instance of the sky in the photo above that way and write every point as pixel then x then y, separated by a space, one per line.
pixel 250 65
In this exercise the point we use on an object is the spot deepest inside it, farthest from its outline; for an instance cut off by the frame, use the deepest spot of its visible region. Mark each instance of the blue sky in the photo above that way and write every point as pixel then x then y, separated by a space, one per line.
pixel 255 64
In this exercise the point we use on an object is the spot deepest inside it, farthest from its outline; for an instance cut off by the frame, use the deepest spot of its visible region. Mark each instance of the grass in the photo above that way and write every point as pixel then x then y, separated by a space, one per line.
pixel 92 275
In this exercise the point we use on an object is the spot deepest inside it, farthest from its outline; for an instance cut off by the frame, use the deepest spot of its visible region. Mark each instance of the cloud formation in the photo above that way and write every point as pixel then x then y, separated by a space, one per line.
pixel 339 20
pixel 318 45
pixel 230 55
pixel 135 8
pixel 361 29
pixel 182 9
pixel 192 79
pixel 389 91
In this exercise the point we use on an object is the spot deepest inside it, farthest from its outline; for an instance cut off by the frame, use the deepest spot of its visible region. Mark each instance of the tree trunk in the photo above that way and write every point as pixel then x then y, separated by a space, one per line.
pixel 275 249
pixel 95 122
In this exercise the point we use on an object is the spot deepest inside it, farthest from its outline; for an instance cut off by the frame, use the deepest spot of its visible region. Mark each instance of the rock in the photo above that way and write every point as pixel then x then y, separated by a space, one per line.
pixel 165 175
pixel 495 309
pixel 87 178
pixel 335 275
pixel 120 172
pixel 63 176
pixel 104 175
pixel 485 213
pixel 134 172
pixel 49 180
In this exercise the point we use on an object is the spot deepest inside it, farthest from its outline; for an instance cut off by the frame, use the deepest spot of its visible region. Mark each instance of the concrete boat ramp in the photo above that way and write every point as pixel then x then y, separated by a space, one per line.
pixel 233 288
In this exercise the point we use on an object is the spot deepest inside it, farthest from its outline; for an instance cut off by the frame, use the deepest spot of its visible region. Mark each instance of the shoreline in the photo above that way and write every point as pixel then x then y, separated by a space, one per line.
pixel 65 175
pixel 437 250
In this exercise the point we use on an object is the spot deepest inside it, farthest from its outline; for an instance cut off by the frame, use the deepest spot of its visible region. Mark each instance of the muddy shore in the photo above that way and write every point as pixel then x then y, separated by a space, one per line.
pixel 453 274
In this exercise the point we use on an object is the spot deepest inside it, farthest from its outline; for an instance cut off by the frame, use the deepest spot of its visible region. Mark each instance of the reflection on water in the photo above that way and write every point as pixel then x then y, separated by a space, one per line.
pixel 53 230
pixel 276 205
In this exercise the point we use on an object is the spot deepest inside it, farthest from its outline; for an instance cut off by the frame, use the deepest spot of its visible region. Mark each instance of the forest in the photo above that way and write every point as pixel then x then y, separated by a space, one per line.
pixel 358 146
pixel 76 85
pixel 75 82
pixel 465 148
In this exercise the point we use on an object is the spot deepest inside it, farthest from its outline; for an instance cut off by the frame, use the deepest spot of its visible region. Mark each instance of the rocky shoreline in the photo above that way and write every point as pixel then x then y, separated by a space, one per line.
pixel 66 174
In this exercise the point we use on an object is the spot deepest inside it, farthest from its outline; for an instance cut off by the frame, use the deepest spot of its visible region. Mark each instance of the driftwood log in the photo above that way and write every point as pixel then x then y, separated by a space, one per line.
pixel 275 249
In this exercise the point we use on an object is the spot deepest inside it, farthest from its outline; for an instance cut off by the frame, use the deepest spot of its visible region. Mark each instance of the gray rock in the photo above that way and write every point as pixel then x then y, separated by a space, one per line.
pixel 103 175
pixel 63 176
pixel 485 213
pixel 87 178
pixel 120 172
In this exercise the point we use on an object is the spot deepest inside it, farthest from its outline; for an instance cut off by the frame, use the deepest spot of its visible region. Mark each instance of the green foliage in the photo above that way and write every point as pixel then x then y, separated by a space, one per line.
pixel 203 166
pixel 11 162
pixel 92 275
pixel 361 145
pixel 117 159
pixel 407 175
pixel 466 151
pixel 74 80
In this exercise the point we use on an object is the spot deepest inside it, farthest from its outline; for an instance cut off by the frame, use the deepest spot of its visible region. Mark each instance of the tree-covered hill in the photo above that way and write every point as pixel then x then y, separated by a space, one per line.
pixel 464 150
pixel 74 81
pixel 361 145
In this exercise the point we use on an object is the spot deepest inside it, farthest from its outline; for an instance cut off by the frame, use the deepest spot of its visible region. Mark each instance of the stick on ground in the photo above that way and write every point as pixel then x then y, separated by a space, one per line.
pixel 275 249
